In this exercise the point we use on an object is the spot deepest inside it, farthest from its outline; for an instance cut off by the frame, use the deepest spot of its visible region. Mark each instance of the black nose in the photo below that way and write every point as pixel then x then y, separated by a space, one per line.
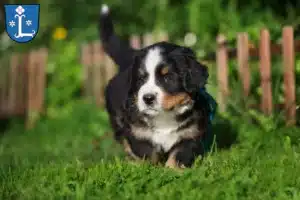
pixel 149 98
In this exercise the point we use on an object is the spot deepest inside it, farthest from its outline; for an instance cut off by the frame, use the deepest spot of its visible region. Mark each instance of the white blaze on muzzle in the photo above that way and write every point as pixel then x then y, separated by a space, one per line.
pixel 150 89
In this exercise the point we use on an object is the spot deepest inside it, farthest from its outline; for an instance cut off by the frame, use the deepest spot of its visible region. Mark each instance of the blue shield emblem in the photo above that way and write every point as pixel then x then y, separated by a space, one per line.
pixel 22 21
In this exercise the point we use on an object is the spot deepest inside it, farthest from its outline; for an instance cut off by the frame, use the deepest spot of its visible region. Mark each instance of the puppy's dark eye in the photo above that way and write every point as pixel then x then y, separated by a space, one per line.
pixel 142 77
pixel 168 77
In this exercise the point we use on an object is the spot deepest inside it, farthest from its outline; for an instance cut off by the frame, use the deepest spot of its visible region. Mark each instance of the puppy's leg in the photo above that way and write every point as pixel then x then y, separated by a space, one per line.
pixel 128 150
pixel 140 150
pixel 184 154
pixel 172 161
pixel 131 156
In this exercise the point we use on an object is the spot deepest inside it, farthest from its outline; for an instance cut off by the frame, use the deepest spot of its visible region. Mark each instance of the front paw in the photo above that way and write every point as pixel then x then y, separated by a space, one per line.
pixel 175 165
pixel 184 155
pixel 173 162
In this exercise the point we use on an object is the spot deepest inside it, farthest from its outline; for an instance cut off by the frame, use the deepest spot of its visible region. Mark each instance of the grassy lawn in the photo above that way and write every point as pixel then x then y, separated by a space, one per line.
pixel 65 158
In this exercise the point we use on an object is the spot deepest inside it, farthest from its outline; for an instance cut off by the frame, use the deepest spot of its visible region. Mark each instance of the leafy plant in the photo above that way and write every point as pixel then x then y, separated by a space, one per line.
pixel 64 74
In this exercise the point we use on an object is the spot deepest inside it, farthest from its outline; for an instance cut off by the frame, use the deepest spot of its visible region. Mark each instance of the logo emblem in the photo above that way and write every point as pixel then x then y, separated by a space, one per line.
pixel 22 21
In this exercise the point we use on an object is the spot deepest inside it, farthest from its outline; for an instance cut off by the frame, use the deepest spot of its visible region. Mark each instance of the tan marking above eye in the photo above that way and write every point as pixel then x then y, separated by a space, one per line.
pixel 164 70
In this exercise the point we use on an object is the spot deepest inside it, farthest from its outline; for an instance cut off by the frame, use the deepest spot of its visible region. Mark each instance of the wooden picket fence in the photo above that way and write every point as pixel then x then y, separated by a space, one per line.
pixel 264 54
pixel 22 84
pixel 23 79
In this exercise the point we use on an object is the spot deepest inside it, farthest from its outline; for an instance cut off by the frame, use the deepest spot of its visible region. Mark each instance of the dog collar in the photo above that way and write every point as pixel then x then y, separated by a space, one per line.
pixel 212 107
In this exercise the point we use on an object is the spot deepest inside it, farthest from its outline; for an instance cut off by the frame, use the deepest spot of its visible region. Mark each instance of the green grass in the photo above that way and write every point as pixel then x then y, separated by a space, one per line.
pixel 63 158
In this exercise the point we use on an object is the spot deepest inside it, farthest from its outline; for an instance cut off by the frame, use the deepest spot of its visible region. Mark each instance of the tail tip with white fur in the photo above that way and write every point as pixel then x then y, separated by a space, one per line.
pixel 104 9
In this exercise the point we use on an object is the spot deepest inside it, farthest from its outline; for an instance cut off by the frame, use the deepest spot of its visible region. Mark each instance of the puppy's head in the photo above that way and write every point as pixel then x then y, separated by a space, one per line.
pixel 165 77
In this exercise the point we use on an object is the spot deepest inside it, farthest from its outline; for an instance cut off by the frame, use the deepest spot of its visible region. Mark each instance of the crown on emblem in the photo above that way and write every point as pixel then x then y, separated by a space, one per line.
pixel 20 10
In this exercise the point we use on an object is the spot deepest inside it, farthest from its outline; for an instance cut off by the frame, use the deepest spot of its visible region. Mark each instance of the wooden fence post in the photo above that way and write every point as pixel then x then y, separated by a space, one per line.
pixel 41 77
pixel 265 72
pixel 3 87
pixel 222 72
pixel 243 63
pixel 35 85
pixel 23 69
pixel 110 69
pixel 19 86
pixel 12 86
pixel 86 60
pixel 97 59
pixel 163 36
pixel 147 39
pixel 1 91
pixel 29 89
pixel 289 74
pixel 30 107
pixel 135 42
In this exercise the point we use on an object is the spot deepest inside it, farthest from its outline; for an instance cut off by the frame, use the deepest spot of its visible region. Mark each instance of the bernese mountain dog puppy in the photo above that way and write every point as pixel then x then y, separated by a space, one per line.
pixel 155 104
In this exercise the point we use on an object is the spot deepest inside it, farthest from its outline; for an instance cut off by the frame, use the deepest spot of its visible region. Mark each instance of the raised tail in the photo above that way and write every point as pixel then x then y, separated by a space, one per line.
pixel 119 51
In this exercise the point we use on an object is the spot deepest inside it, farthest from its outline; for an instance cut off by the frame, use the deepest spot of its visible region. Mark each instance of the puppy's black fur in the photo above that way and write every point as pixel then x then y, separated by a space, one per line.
pixel 186 76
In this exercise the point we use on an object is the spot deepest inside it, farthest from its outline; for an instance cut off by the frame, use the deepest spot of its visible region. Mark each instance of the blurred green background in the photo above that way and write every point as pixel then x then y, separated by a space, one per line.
pixel 203 17
pixel 65 154
pixel 66 25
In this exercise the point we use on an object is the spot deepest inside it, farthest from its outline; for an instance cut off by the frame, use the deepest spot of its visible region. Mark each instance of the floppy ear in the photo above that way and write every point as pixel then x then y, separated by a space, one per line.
pixel 194 74
pixel 117 89
pixel 131 78
pixel 133 71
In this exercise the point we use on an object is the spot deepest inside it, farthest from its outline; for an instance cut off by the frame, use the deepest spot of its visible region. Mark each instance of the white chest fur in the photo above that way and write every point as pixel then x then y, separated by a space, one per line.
pixel 163 133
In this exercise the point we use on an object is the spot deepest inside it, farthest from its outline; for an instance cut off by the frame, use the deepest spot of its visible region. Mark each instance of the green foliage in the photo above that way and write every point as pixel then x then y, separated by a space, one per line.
pixel 209 18
pixel 65 74
pixel 203 17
